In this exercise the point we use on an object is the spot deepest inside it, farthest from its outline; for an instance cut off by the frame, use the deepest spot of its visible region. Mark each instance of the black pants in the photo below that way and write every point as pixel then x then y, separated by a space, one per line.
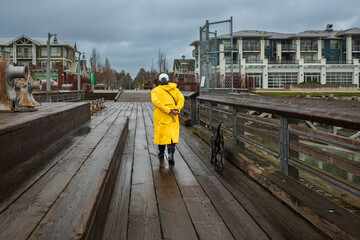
pixel 170 148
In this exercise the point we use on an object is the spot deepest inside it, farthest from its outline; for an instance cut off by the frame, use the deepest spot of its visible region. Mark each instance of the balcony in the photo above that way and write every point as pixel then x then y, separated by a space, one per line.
pixel 338 61
pixel 251 48
pixel 228 61
pixel 24 55
pixel 227 46
pixel 288 47
pixel 253 61
pixel 312 61
pixel 309 48
pixel 284 62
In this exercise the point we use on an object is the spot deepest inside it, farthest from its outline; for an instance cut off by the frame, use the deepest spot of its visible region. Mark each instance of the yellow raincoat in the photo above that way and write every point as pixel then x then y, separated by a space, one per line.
pixel 165 129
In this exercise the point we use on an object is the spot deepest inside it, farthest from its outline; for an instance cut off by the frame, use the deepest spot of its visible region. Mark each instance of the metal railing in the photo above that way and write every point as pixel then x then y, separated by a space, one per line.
pixel 319 153
pixel 308 48
pixel 284 62
pixel 24 55
pixel 339 62
pixel 288 47
pixel 312 61
pixel 253 61
pixel 255 47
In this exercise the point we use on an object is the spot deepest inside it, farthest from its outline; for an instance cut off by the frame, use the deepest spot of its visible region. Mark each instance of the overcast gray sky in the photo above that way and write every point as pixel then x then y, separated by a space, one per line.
pixel 130 32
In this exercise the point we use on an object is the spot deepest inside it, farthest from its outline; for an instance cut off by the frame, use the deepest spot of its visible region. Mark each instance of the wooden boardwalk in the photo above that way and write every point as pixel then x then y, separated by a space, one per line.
pixel 105 181
pixel 191 200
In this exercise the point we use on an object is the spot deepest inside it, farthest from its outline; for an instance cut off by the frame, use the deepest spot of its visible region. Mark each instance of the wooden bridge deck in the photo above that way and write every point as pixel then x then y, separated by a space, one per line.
pixel 191 200
pixel 64 193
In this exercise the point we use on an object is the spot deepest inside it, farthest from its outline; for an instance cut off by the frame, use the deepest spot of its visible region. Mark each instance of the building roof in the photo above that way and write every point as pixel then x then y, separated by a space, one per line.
pixel 40 41
pixel 5 40
pixel 317 34
pixel 252 33
pixel 353 31
pixel 329 33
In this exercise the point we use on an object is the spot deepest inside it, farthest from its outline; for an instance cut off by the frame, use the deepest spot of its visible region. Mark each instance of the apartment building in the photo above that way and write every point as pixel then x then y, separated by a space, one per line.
pixel 276 59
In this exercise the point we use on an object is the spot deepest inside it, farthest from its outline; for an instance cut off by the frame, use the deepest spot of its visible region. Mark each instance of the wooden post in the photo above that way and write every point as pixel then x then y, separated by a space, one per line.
pixel 284 145
pixel 193 111
pixel 210 115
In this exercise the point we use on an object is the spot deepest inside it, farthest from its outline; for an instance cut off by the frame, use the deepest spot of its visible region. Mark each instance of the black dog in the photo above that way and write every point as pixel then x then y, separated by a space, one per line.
pixel 217 147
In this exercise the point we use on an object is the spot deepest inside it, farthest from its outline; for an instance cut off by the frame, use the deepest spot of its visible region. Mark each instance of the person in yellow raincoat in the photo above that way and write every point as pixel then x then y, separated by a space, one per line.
pixel 168 101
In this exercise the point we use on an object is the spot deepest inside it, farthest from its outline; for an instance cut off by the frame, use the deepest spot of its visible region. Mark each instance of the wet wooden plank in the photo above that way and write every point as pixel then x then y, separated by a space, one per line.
pixel 175 219
pixel 144 222
pixel 73 213
pixel 275 218
pixel 40 192
pixel 117 217
pixel 339 224
pixel 22 137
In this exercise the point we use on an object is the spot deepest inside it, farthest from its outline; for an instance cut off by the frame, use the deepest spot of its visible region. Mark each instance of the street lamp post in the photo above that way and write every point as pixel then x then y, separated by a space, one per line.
pixel 79 69
pixel 48 83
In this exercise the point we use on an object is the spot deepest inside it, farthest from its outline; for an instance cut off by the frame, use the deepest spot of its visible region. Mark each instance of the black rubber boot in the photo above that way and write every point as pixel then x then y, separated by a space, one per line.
pixel 161 154
pixel 171 158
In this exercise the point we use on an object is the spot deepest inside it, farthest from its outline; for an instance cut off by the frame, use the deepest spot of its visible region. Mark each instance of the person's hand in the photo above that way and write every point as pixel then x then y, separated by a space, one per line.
pixel 174 112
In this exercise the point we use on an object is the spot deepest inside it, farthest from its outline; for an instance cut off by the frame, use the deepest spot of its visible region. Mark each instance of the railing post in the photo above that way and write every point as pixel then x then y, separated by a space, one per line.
pixel 210 116
pixel 193 111
pixel 235 125
pixel 284 145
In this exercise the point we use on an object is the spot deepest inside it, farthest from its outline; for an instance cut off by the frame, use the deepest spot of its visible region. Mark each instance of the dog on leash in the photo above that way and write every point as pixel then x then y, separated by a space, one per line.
pixel 217 147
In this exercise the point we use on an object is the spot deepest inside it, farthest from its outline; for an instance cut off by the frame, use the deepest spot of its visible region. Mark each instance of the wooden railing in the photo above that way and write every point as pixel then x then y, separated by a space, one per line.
pixel 60 96
pixel 284 136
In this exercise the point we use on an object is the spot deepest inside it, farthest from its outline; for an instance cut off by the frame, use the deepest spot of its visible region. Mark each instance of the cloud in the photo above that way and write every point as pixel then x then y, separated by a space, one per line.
pixel 130 32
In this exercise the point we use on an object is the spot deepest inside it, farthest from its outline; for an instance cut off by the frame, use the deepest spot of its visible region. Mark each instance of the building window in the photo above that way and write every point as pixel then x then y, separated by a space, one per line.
pixel 65 52
pixel 356 44
pixel 251 45
pixel 55 51
pixel 334 44
pixel 267 44
pixel 339 77
pixel 278 80
pixel 24 52
pixel 44 51
pixel 9 50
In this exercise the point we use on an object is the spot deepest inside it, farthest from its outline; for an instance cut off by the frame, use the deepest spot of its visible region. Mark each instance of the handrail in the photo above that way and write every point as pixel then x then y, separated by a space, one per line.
pixel 118 95
pixel 232 111
pixel 316 110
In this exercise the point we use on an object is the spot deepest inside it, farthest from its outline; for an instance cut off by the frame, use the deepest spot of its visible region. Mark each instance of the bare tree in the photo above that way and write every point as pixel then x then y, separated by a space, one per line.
pixel 162 62
pixel 96 60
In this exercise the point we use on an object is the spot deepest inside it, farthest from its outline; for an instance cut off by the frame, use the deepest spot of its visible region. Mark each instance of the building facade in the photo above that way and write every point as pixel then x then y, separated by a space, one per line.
pixel 28 51
pixel 275 59
pixel 183 67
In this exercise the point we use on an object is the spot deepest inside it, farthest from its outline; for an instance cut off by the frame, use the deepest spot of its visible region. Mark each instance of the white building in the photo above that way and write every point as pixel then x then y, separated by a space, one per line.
pixel 276 59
